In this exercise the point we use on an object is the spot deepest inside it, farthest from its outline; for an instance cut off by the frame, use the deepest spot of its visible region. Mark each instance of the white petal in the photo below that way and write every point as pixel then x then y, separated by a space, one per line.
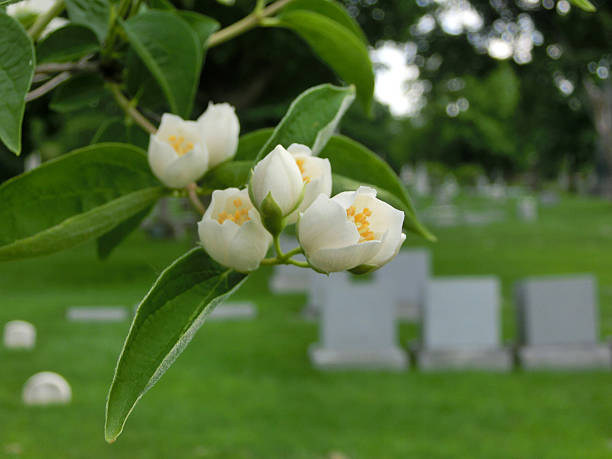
pixel 216 238
pixel 324 224
pixel 278 174
pixel 349 198
pixel 343 258
pixel 249 246
pixel 160 156
pixel 187 168
pixel 299 149
pixel 220 131
pixel 169 125
pixel 320 183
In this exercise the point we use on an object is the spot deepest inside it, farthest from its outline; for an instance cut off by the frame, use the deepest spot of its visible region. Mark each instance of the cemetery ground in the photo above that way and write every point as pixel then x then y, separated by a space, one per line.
pixel 247 389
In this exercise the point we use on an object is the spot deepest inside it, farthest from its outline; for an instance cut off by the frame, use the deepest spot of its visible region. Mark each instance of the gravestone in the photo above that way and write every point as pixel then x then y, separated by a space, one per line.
pixel 447 191
pixel 482 185
pixel 318 286
pixel 46 388
pixel 443 215
pixel 461 326
pixel 357 328
pixel 19 334
pixel 234 311
pixel 407 174
pixel 549 198
pixel 498 189
pixel 558 324
pixel 96 314
pixel 421 181
pixel 289 278
pixel 406 277
pixel 527 208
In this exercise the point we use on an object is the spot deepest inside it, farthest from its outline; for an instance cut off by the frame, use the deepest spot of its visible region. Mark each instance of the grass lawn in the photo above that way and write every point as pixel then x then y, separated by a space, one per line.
pixel 246 389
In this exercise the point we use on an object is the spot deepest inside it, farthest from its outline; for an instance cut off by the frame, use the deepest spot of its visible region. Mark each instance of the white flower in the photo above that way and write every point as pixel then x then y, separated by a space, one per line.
pixel 351 229
pixel 231 231
pixel 316 174
pixel 177 155
pixel 279 175
pixel 220 129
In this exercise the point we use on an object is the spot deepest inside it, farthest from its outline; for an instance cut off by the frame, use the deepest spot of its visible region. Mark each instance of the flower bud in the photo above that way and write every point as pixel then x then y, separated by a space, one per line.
pixel 316 175
pixel 220 129
pixel 231 231
pixel 277 175
pixel 353 230
pixel 177 155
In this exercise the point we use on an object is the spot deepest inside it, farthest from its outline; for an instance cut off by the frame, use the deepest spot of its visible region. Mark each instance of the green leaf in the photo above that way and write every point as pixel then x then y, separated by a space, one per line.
pixel 586 5
pixel 161 5
pixel 74 198
pixel 227 175
pixel 116 130
pixel 172 52
pixel 107 242
pixel 16 71
pixel 352 161
pixel 166 320
pixel 203 26
pixel 250 144
pixel 94 14
pixel 338 46
pixel 67 44
pixel 330 9
pixel 311 119
pixel 81 91
pixel 411 223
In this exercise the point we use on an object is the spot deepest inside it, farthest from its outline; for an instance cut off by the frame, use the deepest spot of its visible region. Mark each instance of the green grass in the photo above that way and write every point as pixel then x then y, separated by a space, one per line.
pixel 247 389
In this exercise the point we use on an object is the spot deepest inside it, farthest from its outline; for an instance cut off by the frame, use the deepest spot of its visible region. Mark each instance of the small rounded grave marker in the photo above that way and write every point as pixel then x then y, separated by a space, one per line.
pixel 19 334
pixel 46 388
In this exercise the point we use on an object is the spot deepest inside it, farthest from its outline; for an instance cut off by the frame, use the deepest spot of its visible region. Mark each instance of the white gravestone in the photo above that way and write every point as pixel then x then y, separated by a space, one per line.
pixel 448 190
pixel 558 324
pixel 318 286
pixel 527 208
pixel 19 334
pixel 234 311
pixel 96 314
pixel 461 326
pixel 357 329
pixel 289 278
pixel 421 181
pixel 482 185
pixel 46 388
pixel 406 277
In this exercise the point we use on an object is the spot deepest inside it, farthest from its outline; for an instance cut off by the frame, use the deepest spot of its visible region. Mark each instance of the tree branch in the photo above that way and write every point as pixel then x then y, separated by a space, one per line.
pixel 130 110
pixel 245 24
pixel 48 86
pixel 192 192
pixel 80 66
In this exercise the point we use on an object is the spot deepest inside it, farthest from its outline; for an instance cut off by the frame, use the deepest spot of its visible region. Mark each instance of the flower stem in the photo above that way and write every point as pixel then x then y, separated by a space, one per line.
pixel 246 23
pixel 279 253
pixel 44 19
pixel 192 192
pixel 295 251
pixel 130 110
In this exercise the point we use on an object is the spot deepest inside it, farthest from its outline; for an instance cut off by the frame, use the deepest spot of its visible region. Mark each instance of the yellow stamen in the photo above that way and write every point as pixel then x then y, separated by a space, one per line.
pixel 179 145
pixel 239 215
pixel 300 165
pixel 361 223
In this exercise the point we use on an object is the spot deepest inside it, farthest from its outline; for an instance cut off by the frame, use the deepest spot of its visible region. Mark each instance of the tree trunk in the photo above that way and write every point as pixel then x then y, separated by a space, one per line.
pixel 601 105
